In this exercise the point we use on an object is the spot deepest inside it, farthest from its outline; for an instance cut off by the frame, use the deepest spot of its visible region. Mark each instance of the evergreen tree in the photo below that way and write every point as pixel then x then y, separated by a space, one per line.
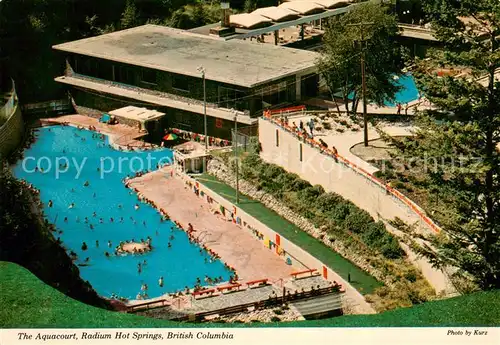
pixel 340 60
pixel 463 132
pixel 130 16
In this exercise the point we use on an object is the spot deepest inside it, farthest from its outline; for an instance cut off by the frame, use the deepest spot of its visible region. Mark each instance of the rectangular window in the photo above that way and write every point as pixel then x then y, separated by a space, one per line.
pixel 300 152
pixel 277 138
pixel 231 98
pixel 148 76
pixel 180 83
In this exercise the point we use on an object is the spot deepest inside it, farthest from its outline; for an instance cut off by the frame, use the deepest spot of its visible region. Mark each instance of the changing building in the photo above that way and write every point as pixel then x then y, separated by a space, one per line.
pixel 159 68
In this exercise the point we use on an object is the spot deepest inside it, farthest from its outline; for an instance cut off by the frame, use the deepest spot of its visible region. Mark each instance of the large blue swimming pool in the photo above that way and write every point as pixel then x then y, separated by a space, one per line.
pixel 108 197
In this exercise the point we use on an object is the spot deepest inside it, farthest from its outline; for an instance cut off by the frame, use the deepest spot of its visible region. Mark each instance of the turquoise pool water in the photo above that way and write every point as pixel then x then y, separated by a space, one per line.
pixel 180 265
pixel 408 93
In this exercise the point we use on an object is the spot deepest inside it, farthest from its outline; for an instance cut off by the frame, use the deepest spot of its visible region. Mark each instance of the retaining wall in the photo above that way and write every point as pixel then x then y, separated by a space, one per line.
pixel 306 158
pixel 12 130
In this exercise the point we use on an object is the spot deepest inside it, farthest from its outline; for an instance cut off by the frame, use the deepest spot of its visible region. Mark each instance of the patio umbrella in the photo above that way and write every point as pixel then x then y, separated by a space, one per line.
pixel 105 118
pixel 170 136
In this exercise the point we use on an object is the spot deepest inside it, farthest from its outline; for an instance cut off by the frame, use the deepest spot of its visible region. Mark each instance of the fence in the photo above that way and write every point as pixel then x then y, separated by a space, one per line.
pixel 59 107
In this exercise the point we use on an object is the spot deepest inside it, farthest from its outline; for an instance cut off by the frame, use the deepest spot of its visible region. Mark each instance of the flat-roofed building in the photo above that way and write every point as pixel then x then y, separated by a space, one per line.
pixel 157 68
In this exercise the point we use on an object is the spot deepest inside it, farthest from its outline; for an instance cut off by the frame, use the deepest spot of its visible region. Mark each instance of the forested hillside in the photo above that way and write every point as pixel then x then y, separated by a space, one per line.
pixel 29 28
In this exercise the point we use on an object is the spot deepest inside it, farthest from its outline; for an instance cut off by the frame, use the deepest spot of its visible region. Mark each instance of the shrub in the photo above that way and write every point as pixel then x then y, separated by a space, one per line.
pixel 275 319
pixel 399 185
pixel 326 202
pixel 278 311
pixel 411 276
pixel 391 249
pixel 358 220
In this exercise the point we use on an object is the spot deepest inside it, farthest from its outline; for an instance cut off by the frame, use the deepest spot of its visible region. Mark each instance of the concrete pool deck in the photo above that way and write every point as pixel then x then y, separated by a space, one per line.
pixel 120 135
pixel 236 247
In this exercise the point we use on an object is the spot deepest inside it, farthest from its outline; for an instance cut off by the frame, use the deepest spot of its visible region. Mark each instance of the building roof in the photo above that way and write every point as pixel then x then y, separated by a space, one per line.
pixel 177 51
pixel 302 7
pixel 137 114
pixel 248 20
pixel 326 3
pixel 276 14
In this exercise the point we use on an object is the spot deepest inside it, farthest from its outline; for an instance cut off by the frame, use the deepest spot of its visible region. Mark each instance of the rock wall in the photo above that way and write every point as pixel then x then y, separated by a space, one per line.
pixel 11 132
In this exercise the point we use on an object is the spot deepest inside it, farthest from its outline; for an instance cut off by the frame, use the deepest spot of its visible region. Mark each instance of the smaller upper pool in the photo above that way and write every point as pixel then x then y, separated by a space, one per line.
pixel 407 94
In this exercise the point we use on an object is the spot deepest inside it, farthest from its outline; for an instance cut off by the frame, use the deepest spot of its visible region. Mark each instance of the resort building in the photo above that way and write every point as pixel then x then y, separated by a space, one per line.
pixel 171 70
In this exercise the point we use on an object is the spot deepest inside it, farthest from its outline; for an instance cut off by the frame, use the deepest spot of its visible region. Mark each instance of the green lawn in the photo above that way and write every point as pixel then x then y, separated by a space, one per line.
pixel 27 302
pixel 361 280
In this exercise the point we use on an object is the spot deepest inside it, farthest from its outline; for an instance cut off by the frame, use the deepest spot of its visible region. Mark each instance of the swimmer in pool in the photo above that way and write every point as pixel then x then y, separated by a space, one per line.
pixel 169 245
pixel 71 205
pixel 65 219
pixel 94 214
pixel 160 281
pixel 50 203
pixel 109 244
pixel 96 243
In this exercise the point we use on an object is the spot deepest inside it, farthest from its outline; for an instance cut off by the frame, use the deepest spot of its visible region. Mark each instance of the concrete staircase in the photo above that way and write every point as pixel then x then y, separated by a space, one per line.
pixel 317 307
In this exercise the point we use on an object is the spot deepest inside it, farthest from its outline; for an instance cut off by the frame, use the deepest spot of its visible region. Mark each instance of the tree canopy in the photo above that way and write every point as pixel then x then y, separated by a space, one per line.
pixel 462 134
pixel 29 29
pixel 340 60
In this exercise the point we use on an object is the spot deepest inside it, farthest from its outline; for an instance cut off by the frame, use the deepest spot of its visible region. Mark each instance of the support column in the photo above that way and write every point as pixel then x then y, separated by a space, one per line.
pixel 298 86
pixel 276 37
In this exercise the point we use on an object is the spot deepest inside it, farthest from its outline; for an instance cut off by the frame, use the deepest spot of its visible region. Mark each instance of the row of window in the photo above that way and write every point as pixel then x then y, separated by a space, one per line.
pixel 227 97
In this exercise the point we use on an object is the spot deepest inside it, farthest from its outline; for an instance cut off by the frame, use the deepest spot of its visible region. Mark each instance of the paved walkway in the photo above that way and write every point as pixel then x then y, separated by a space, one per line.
pixel 238 248
pixel 343 142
